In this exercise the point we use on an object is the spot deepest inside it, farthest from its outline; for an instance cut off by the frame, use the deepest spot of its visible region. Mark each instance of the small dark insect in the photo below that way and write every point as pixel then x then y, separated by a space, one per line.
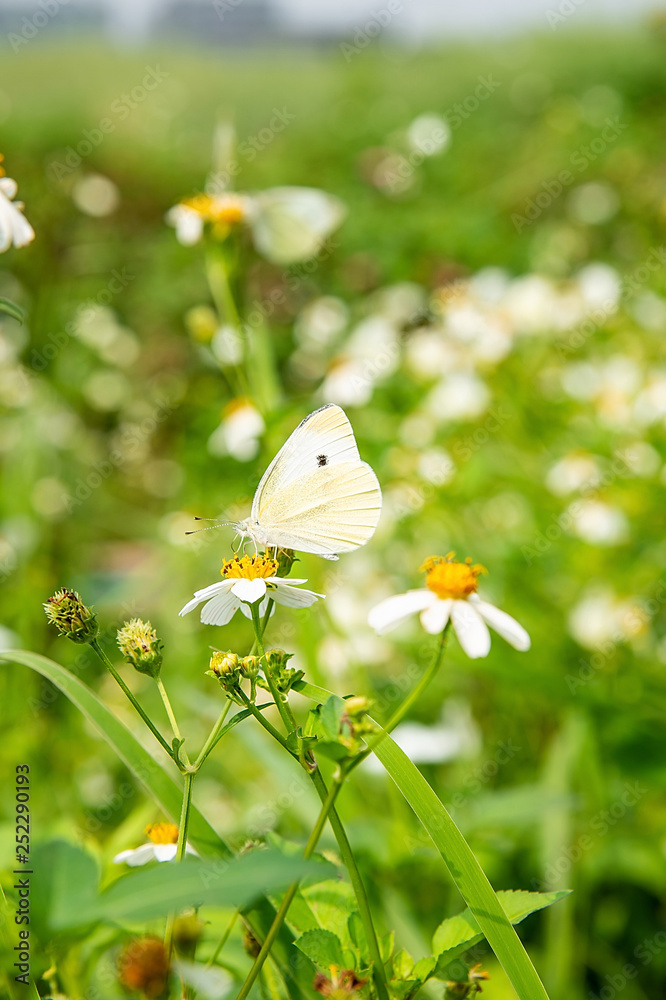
pixel 322 460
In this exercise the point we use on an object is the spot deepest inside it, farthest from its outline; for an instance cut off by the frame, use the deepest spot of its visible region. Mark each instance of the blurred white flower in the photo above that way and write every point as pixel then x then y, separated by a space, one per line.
pixel 429 134
pixel 96 195
pixel 348 383
pixel 600 616
pixel 456 736
pixel 459 396
pixel 248 580
pixel 641 458
pixel 650 405
pixel 162 846
pixel 450 595
pixel 593 203
pixel 436 466
pixel 572 473
pixel 288 224
pixel 531 304
pixel 227 345
pixel 597 523
pixel 239 432
pixel 401 303
pixel 600 287
pixel 428 353
pixel 321 321
pixel 15 230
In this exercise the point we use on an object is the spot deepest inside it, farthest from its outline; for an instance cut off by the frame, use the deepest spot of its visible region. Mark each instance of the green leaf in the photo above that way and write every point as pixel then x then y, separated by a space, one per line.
pixel 168 795
pixel 322 947
pixel 9 307
pixel 465 870
pixel 403 964
pixel 156 891
pixel 329 718
pixel 67 877
pixel 463 929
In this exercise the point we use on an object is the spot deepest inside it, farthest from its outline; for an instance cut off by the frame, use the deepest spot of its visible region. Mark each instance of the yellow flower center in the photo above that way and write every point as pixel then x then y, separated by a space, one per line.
pixel 448 578
pixel 228 209
pixel 162 833
pixel 249 567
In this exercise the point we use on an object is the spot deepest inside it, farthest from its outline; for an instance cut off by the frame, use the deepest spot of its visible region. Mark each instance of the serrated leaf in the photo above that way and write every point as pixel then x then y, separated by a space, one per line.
pixel 463 929
pixel 322 947
pixel 9 307
pixel 403 964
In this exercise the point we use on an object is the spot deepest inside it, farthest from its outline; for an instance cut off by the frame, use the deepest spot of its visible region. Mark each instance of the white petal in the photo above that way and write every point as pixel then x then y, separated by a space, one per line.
pixel 472 631
pixel 436 616
pixel 166 852
pixel 9 187
pixel 140 856
pixel 249 591
pixel 14 227
pixel 220 610
pixel 203 595
pixel 292 597
pixel 395 610
pixel 189 224
pixel 504 625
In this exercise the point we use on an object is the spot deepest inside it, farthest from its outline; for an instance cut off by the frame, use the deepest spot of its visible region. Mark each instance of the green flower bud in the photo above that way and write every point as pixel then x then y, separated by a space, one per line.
pixel 71 617
pixel 223 664
pixel 249 666
pixel 357 706
pixel 285 558
pixel 138 643
pixel 276 659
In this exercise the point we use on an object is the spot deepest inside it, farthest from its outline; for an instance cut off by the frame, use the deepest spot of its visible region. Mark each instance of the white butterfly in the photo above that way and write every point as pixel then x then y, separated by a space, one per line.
pixel 316 495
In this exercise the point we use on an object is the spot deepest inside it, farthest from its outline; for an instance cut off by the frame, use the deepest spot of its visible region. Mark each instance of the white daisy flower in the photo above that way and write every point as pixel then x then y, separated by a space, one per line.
pixel 246 581
pixel 15 230
pixel 162 846
pixel 287 224
pixel 450 595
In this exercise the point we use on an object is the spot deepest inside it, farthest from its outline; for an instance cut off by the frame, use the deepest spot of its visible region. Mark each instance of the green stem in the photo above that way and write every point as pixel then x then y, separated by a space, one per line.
pixel 283 707
pixel 327 805
pixel 172 718
pixel 410 700
pixel 121 683
pixel 223 940
pixel 212 737
pixel 349 861
pixel 188 781
pixel 262 721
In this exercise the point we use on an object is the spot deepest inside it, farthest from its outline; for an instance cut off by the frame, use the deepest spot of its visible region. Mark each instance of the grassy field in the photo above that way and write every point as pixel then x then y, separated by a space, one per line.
pixel 539 452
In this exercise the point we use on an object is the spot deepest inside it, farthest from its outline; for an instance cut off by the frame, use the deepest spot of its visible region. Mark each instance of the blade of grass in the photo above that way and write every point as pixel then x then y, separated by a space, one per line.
pixel 465 870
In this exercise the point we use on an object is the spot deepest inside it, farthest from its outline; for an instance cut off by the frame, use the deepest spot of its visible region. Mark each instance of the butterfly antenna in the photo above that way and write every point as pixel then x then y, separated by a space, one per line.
pixel 218 524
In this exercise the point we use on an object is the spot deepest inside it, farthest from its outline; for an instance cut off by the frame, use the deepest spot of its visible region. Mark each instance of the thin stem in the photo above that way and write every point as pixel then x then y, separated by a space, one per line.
pixel 327 804
pixel 121 683
pixel 172 718
pixel 349 860
pixel 410 700
pixel 223 940
pixel 283 707
pixel 188 781
pixel 264 722
pixel 212 737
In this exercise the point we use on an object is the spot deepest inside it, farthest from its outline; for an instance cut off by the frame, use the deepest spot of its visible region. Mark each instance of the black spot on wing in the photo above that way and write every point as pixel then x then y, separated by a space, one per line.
pixel 322 460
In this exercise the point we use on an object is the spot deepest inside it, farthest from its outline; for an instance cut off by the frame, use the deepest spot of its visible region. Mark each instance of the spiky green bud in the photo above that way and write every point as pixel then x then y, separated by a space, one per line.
pixel 71 617
pixel 138 642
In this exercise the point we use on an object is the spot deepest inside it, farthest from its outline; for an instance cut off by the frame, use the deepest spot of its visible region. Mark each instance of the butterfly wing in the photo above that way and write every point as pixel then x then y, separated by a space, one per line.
pixel 316 495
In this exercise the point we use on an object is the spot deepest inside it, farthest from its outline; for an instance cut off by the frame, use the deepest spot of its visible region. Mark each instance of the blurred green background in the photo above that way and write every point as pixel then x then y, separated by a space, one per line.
pixel 502 421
